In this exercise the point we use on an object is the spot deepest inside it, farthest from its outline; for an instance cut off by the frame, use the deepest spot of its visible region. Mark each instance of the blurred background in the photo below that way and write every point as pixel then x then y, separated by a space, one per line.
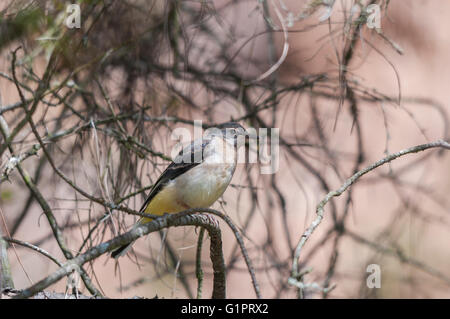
pixel 105 98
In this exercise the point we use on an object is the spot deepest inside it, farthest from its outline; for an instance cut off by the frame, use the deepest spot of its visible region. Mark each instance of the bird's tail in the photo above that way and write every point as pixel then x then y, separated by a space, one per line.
pixel 123 250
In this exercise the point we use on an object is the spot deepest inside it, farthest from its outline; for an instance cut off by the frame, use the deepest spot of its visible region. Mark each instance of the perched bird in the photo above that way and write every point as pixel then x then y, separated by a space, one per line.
pixel 197 177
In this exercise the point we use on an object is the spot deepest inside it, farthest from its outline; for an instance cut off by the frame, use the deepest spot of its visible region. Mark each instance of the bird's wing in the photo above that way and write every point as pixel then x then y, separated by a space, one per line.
pixel 188 158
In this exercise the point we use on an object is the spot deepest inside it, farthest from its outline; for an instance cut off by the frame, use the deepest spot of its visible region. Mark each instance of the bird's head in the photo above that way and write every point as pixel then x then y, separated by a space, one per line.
pixel 230 131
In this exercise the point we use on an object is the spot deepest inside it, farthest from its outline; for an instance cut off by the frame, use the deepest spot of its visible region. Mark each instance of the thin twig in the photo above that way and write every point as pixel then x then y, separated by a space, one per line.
pixel 320 207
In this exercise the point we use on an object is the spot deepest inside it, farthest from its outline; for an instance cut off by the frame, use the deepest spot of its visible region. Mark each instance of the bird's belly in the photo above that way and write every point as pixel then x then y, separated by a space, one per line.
pixel 165 202
pixel 204 184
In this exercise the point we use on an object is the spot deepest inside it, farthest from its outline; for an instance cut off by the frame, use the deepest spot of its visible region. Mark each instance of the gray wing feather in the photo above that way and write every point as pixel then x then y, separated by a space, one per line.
pixel 188 158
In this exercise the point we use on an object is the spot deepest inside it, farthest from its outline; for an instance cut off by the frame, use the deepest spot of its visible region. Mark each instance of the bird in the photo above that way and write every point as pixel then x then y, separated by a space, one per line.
pixel 197 177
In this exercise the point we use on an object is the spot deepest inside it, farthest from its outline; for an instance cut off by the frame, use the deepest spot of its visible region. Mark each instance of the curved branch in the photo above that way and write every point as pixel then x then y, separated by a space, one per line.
pixel 182 219
pixel 198 263
pixel 33 247
pixel 320 207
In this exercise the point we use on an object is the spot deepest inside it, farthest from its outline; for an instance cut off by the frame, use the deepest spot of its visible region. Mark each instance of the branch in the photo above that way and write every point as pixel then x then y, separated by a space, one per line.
pixel 320 207
pixel 396 252
pixel 6 281
pixel 33 247
pixel 181 219
pixel 198 263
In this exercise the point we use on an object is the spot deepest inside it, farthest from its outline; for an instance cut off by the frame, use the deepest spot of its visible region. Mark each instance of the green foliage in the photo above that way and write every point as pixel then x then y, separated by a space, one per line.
pixel 26 21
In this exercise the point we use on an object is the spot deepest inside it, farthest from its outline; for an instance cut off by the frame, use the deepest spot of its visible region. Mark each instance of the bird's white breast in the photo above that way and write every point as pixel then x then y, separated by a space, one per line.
pixel 202 185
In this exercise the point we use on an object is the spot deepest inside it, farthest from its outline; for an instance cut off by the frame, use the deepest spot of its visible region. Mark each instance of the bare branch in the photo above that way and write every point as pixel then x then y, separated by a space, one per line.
pixel 320 207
